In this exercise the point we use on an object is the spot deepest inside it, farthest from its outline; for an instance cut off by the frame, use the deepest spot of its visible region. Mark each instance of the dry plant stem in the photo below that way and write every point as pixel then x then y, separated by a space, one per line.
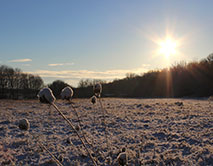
pixel 80 125
pixel 44 147
pixel 209 106
pixel 71 125
pixel 105 126
pixel 104 110
pixel 94 113
pixel 76 113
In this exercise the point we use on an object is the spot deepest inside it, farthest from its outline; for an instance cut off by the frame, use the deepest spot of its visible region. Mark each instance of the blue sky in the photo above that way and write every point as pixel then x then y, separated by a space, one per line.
pixel 101 39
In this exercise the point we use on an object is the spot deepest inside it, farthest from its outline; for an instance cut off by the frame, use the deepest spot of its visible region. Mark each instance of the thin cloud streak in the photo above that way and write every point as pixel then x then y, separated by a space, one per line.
pixel 26 65
pixel 60 64
pixel 85 74
pixel 20 60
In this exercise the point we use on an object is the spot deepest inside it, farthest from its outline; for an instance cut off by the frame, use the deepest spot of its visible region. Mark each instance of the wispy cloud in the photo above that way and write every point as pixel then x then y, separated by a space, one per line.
pixel 26 65
pixel 60 64
pixel 56 64
pixel 84 74
pixel 20 60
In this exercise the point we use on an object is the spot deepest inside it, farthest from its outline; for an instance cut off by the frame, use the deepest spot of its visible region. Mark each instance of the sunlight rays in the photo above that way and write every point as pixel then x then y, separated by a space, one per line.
pixel 167 47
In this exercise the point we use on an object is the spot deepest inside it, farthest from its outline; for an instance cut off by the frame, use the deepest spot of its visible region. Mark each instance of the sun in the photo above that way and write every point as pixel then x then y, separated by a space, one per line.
pixel 167 47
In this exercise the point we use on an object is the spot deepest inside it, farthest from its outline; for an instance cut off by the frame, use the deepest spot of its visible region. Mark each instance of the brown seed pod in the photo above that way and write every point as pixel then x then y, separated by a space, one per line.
pixel 97 89
pixel 93 99
pixel 24 124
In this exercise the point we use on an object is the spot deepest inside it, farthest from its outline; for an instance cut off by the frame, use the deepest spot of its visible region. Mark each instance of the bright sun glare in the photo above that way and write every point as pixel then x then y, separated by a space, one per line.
pixel 167 47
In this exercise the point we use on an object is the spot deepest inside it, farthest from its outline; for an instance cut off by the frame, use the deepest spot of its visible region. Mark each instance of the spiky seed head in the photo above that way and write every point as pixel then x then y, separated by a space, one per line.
pixel 97 89
pixel 45 95
pixel 93 99
pixel 24 124
pixel 66 93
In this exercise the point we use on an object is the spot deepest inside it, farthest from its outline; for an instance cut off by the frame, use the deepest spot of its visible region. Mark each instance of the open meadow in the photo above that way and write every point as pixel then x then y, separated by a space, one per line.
pixel 144 131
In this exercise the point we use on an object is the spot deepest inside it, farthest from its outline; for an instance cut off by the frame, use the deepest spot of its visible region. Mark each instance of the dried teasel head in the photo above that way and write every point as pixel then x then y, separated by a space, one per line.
pixel 24 124
pixel 93 99
pixel 45 95
pixel 97 89
pixel 66 93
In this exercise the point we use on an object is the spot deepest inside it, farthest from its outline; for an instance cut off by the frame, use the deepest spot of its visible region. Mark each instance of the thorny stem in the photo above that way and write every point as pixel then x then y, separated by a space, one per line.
pixel 44 147
pixel 73 128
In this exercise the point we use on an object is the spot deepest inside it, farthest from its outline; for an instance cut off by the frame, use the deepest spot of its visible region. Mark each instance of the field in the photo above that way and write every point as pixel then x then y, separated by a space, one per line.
pixel 147 131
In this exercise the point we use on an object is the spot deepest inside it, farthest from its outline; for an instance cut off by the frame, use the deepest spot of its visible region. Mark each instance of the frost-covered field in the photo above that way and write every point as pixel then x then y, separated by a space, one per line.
pixel 148 131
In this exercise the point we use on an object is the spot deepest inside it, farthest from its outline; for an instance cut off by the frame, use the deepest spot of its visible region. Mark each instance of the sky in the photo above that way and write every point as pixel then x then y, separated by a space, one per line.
pixel 102 39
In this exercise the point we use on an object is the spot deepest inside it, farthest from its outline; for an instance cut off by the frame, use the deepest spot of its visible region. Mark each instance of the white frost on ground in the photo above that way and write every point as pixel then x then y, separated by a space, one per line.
pixel 148 131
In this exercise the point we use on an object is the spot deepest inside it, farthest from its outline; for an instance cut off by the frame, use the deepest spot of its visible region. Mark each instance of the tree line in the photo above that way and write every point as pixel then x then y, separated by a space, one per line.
pixel 194 79
pixel 16 84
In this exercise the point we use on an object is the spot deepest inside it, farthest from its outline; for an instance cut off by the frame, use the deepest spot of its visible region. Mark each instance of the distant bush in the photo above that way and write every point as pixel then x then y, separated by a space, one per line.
pixel 57 86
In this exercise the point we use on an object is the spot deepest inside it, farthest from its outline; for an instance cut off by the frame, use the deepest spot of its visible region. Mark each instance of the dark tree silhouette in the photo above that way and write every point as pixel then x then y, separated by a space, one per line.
pixel 16 84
